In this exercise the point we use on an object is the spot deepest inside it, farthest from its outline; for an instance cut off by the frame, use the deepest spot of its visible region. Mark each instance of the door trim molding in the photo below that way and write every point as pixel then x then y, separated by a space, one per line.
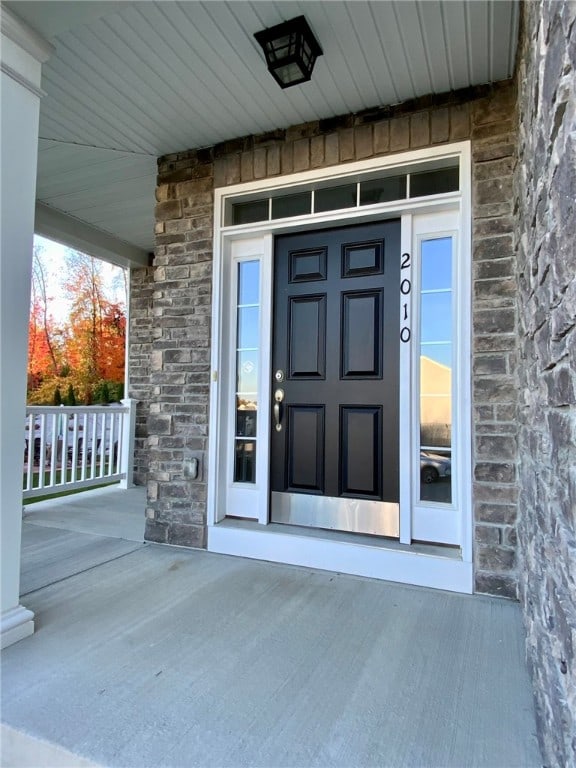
pixel 409 567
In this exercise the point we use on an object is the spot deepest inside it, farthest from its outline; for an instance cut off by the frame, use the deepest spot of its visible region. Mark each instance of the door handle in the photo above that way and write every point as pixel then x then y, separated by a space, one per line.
pixel 277 417
pixel 278 398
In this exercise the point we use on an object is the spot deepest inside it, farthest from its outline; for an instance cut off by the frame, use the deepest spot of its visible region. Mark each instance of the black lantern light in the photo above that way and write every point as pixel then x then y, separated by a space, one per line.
pixel 291 51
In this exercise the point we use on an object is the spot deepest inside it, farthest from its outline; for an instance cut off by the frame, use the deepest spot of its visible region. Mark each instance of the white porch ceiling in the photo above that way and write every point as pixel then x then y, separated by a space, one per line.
pixel 130 81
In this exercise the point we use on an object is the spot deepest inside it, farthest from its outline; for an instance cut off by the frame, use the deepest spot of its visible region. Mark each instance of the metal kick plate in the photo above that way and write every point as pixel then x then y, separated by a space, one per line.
pixel 379 518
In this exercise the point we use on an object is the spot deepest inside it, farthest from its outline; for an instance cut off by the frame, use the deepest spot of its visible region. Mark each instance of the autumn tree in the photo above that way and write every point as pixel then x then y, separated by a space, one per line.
pixel 84 358
pixel 97 333
pixel 44 338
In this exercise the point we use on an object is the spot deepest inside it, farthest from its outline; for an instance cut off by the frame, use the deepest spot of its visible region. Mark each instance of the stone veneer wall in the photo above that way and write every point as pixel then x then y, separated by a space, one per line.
pixel 140 334
pixel 545 187
pixel 180 321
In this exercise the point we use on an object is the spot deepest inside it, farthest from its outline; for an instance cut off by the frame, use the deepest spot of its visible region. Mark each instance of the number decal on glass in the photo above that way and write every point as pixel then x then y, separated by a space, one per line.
pixel 405 289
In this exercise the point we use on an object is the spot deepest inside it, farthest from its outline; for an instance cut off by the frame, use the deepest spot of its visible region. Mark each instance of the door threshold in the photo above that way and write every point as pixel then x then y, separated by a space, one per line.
pixel 364 539
pixel 421 564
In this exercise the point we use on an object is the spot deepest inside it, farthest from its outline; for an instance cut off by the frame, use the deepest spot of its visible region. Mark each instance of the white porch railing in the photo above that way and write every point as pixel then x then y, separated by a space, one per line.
pixel 78 447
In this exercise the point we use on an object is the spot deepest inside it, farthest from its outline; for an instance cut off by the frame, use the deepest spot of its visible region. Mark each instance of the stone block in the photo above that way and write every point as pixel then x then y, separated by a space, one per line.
pixel 440 125
pixel 496 513
pixel 494 472
pixel 187 535
pixel 301 155
pixel 399 134
pixel 496 447
pixel 493 169
pixel 494 320
pixel 494 130
pixel 170 209
pixel 317 151
pixel 487 534
pixel 302 131
pixel 497 584
pixel 220 172
pixel 560 384
pixel 493 148
pixel 363 141
pixel 287 158
pixel 331 149
pixel 495 558
pixel 494 342
pixel 346 144
pixel 503 225
pixel 273 160
pixel 498 290
pixel 247 166
pixel 493 191
pixel 155 531
pixel 420 130
pixel 490 364
pixel 159 425
pixel 260 163
pixel 495 389
pixel 490 270
pixel 459 122
pixel 381 137
pixel 232 169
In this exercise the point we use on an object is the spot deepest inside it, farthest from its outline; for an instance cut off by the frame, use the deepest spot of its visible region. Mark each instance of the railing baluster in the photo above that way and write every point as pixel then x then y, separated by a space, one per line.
pixel 84 446
pixel 92 438
pixel 94 446
pixel 30 457
pixel 111 444
pixel 53 450
pixel 74 447
pixel 102 444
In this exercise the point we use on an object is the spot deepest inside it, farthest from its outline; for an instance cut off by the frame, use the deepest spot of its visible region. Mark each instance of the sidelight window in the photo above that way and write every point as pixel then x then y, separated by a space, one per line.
pixel 436 369
pixel 247 358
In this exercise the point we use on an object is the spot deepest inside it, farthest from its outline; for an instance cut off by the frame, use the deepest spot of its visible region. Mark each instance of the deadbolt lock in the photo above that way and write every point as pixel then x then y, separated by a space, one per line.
pixel 279 375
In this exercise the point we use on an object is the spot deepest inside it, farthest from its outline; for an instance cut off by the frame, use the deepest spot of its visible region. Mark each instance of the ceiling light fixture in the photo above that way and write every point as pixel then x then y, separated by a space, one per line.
pixel 291 51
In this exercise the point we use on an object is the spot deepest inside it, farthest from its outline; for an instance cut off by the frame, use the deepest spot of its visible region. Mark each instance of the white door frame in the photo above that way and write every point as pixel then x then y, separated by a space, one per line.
pixel 398 561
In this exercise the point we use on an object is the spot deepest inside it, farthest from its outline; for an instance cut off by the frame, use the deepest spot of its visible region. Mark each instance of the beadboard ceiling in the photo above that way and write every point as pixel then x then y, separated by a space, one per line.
pixel 130 81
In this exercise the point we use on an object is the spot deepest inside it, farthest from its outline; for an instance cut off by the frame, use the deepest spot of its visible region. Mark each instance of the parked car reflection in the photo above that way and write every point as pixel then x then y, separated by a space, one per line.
pixel 433 467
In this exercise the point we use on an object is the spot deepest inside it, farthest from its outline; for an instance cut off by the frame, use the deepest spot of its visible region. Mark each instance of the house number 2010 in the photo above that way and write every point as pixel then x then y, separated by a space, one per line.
pixel 405 288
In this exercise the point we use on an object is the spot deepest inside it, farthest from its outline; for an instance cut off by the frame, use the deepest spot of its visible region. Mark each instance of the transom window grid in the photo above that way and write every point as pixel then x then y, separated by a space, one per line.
pixel 343 194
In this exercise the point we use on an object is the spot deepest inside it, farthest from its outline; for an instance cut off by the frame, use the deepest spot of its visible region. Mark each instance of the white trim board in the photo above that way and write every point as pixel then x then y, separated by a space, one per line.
pixel 414 568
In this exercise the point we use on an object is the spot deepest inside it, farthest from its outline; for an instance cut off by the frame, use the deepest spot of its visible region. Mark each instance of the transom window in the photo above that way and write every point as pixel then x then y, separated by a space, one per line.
pixel 414 182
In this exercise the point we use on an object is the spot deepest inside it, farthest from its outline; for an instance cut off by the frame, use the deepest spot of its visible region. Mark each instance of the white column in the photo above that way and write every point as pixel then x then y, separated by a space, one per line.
pixel 22 53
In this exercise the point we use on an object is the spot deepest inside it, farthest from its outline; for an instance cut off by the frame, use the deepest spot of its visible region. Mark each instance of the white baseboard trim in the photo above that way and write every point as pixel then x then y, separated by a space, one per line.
pixel 15 624
pixel 414 568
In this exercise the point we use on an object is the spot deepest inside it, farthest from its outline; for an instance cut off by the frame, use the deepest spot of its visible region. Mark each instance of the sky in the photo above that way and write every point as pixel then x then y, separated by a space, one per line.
pixel 54 260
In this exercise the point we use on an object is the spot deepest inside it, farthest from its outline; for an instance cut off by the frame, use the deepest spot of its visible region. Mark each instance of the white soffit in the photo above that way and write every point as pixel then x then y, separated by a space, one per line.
pixel 130 81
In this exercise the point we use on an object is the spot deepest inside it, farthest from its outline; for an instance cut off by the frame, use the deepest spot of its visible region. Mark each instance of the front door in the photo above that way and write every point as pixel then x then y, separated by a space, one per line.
pixel 335 386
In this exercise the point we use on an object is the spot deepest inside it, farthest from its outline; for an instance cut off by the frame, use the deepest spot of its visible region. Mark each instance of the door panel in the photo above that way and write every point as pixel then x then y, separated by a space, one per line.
pixel 307 340
pixel 305 438
pixel 360 452
pixel 361 334
pixel 335 359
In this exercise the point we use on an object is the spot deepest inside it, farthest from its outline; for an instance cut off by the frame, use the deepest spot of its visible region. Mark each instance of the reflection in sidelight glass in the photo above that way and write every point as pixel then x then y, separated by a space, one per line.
pixel 436 365
pixel 247 355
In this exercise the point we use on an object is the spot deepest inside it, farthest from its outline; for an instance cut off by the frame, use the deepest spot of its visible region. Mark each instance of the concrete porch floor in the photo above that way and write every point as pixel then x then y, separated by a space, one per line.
pixel 147 655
